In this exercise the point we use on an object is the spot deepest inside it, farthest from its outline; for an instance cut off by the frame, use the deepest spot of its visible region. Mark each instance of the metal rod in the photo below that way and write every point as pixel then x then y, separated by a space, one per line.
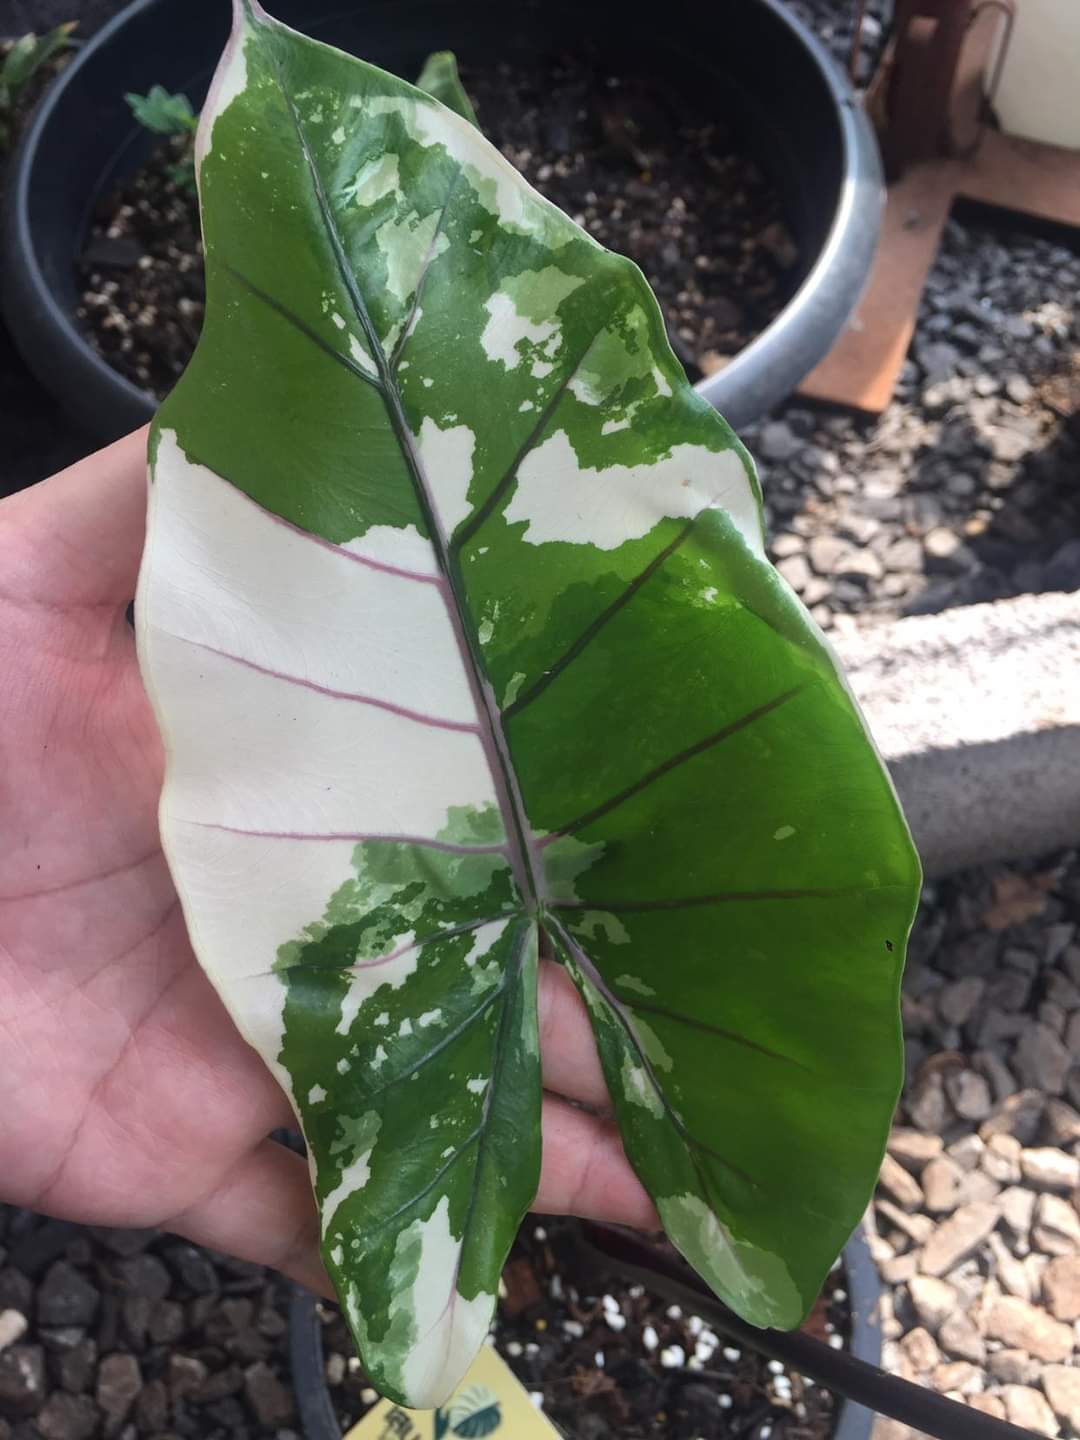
pixel 856 40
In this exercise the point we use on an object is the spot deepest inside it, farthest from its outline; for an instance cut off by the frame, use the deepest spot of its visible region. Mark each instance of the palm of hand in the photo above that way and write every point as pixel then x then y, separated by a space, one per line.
pixel 130 1098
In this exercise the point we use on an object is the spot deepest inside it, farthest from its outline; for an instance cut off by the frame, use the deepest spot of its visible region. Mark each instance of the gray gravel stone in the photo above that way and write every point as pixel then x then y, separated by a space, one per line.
pixel 68 1417
pixel 796 571
pixel 920 1351
pixel 145 1276
pixel 1047 1168
pixel 1062 1123
pixel 65 1298
pixel 13 1326
pixel 119 1382
pixel 1025 1327
pixel 967 1152
pixel 1041 1060
pixel 929 1109
pixel 959 1337
pixel 1011 1273
pixel 999 1077
pixel 22 1380
pixel 1028 1407
pixel 266 1395
pixel 1055 1226
pixel 777 442
pixel 958 1001
pixel 827 554
pixel 934 1300
pixel 969 1094
pixel 913 1148
pixel 941 1183
pixel 1019 1115
pixel 1062 1386
pixel 900 1184
pixel 75 1368
pixel 1013 1367
pixel 1061 1287
pixel 958 1237
pixel 1002 1159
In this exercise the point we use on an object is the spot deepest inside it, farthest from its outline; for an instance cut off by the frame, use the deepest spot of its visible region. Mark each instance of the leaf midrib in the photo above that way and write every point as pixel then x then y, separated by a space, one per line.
pixel 524 862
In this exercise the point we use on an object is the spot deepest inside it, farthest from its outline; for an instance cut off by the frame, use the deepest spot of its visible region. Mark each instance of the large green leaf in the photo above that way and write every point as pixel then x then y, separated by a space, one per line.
pixel 459 627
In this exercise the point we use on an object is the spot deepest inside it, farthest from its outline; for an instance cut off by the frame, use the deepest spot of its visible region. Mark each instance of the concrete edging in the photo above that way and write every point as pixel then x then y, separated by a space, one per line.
pixel 977 712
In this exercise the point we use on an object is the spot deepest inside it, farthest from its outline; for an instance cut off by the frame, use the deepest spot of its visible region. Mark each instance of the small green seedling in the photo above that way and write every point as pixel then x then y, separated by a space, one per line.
pixel 19 66
pixel 167 114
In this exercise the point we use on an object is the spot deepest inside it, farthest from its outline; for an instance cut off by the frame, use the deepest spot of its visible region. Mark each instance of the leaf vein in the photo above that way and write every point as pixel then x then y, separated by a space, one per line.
pixel 673 763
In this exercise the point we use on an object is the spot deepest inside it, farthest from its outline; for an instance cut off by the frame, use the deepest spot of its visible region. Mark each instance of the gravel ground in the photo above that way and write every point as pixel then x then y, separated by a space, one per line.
pixel 977 1216
pixel 965 489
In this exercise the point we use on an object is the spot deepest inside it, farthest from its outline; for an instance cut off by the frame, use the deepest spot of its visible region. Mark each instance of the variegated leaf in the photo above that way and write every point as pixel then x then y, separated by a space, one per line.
pixel 458 624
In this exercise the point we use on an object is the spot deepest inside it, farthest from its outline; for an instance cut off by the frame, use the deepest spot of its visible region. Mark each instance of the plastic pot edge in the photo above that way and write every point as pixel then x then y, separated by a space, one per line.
pixel 758 377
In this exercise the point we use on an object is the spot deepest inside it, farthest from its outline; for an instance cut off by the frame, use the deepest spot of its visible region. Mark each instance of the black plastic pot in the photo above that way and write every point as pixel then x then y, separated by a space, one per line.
pixel 853 1422
pixel 795 110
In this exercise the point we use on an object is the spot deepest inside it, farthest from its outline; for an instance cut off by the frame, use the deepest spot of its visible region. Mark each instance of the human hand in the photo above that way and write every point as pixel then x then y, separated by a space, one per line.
pixel 129 1097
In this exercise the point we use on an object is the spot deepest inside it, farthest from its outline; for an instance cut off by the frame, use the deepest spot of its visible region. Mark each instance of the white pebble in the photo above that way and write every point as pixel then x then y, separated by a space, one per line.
pixel 765 1432
pixel 573 1328
pixel 674 1312
pixel 724 1401
pixel 368 1396
pixel 672 1357
pixel 839 1295
pixel 555 1288
pixel 610 1304
pixel 636 1292
pixel 695 1325
pixel 836 1341
pixel 649 1338
pixel 616 1322
pixel 775 1367
pixel 730 1353
pixel 537 1398
pixel 694 1363
pixel 703 1351
pixel 599 1359
pixel 540 1234
pixel 531 1348
pixel 513 1347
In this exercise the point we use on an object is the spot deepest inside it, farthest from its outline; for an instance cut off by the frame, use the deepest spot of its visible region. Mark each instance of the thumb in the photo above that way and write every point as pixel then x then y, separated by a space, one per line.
pixel 75 540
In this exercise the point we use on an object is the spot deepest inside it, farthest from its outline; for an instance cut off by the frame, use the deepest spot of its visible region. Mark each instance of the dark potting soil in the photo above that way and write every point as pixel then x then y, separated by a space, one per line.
pixel 603 1357
pixel 143 288
pixel 656 175
pixel 649 173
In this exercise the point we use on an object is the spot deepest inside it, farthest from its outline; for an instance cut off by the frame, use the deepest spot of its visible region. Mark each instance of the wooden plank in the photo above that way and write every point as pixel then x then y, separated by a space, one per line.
pixel 862 368
pixel 1024 176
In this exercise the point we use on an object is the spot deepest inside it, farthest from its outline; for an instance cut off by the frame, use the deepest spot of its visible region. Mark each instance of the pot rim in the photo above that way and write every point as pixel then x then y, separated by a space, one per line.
pixel 758 377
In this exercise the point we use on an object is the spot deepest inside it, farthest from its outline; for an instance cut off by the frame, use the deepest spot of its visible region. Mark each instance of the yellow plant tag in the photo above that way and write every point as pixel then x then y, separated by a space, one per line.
pixel 490 1402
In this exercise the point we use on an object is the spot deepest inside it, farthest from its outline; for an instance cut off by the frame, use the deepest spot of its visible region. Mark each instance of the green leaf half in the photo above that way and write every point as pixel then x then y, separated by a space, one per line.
pixel 458 624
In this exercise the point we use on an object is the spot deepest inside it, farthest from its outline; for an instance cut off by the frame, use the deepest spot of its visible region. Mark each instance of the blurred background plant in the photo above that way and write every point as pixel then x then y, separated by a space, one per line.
pixel 22 61
pixel 167 114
